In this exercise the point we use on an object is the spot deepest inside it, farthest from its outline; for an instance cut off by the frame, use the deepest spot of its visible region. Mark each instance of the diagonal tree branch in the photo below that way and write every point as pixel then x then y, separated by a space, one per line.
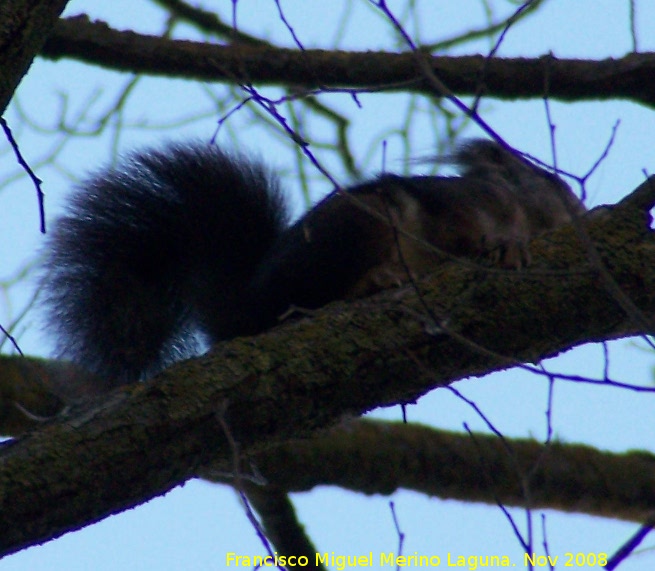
pixel 630 77
pixel 140 441
pixel 24 27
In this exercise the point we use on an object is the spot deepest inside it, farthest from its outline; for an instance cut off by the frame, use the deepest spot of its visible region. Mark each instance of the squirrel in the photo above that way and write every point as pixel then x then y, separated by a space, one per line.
pixel 187 243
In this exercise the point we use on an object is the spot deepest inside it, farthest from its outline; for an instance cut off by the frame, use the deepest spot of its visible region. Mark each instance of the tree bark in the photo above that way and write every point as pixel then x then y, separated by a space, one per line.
pixel 24 28
pixel 373 457
pixel 250 393
pixel 631 77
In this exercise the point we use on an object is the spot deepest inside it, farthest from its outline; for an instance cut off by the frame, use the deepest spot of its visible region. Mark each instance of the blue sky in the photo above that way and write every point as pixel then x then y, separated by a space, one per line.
pixel 194 526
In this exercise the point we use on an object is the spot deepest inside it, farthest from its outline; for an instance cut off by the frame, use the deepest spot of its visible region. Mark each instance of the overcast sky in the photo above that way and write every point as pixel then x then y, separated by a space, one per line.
pixel 193 527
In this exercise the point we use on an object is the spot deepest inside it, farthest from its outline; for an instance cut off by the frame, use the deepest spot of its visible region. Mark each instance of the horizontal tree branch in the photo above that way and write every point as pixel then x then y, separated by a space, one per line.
pixel 250 393
pixel 469 467
pixel 631 77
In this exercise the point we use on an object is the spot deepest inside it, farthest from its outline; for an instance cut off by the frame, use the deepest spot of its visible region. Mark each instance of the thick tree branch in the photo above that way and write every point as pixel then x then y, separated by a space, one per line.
pixel 379 458
pixel 24 27
pixel 250 393
pixel 631 77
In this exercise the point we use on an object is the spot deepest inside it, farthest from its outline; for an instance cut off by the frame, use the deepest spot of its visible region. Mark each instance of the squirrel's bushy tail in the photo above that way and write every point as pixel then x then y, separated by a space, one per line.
pixel 155 251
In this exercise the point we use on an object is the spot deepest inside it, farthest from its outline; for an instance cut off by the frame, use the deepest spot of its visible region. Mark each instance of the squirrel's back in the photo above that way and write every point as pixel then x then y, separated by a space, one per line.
pixel 547 200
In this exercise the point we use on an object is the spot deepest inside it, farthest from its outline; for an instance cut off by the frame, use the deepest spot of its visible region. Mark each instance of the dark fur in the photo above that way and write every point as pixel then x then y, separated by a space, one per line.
pixel 190 241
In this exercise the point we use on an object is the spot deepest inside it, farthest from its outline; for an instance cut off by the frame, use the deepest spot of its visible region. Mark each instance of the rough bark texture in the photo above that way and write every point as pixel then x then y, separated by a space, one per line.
pixel 24 28
pixel 250 393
